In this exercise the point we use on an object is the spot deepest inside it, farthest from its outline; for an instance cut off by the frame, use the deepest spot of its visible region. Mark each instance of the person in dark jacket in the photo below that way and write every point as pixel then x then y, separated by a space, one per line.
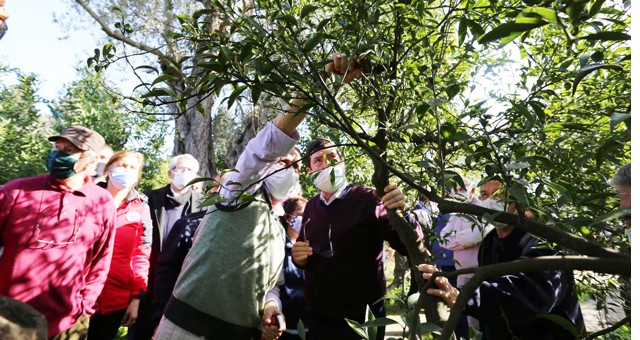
pixel 516 305
pixel 168 204
pixel 172 256
pixel 291 293
pixel 341 244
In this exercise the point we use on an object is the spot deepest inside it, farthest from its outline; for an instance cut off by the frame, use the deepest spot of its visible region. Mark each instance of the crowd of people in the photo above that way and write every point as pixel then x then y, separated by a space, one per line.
pixel 91 253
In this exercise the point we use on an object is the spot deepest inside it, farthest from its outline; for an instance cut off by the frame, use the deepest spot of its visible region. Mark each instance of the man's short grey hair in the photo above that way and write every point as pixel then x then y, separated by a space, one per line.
pixel 622 177
pixel 186 157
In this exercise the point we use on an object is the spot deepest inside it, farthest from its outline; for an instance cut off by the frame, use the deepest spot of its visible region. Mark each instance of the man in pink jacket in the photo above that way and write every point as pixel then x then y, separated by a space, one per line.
pixel 56 235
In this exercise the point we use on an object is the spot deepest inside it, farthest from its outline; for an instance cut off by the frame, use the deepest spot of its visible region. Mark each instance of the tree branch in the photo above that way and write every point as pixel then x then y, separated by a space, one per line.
pixel 609 329
pixel 118 36
pixel 604 265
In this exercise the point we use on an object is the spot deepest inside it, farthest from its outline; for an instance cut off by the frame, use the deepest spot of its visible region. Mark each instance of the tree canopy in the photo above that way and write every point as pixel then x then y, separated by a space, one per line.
pixel 535 94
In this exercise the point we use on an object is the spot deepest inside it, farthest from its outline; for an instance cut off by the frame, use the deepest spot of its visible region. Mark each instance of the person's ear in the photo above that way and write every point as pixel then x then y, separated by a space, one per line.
pixel 170 174
pixel 308 169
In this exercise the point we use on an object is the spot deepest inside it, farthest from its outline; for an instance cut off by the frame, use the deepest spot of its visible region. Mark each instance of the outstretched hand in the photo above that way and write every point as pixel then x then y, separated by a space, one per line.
pixel 393 197
pixel 445 290
pixel 341 66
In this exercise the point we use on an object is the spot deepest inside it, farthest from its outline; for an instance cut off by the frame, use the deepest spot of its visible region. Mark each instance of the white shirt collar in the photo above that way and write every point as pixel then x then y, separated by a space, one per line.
pixel 337 195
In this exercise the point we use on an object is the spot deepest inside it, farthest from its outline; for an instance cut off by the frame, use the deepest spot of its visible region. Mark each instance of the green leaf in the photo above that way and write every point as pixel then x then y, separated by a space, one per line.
pixel 452 90
pixel 255 94
pixel 306 10
pixel 546 13
pixel 164 78
pixel 516 166
pixel 200 12
pixel 159 92
pixel 539 110
pixel 312 42
pixel 426 164
pixel 522 110
pixel 435 102
pixel 302 331
pixel 617 118
pixel 147 67
pixel 413 299
pixel 322 24
pixel 107 48
pixel 289 19
pixel 475 28
pixel 520 194
pixel 211 200
pixel 462 31
pixel 357 328
pixel 234 95
pixel 595 8
pixel 429 327
pixel 505 30
pixel 561 321
pixel 246 197
pixel 584 71
pixel 597 56
pixel 607 36
pixel 611 216
pixel 379 322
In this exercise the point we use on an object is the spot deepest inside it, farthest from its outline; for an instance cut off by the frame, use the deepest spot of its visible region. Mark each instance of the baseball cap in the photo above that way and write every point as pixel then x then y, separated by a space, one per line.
pixel 83 138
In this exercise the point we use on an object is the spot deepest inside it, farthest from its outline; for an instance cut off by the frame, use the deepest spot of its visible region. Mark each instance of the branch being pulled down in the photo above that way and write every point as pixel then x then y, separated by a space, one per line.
pixel 621 266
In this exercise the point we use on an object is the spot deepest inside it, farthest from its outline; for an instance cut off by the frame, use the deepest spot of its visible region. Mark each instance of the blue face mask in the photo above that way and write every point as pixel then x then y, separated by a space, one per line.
pixel 123 178
pixel 60 165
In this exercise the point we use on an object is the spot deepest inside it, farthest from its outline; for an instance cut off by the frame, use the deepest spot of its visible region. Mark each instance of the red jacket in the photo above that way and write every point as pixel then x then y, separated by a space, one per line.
pixel 130 262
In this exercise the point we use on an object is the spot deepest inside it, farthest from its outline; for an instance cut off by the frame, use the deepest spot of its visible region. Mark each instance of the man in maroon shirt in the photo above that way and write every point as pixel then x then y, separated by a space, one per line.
pixel 56 232
pixel 340 246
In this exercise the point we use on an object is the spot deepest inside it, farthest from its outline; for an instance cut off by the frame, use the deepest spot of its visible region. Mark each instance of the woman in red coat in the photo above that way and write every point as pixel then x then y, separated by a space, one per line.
pixel 127 281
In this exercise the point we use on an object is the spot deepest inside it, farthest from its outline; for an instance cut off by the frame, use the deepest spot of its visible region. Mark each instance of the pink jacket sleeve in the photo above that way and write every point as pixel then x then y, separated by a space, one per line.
pixel 462 232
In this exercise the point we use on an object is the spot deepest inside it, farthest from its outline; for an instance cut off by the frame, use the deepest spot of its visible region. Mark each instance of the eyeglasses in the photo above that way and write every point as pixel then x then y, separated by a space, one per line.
pixel 180 169
pixel 42 215
pixel 327 253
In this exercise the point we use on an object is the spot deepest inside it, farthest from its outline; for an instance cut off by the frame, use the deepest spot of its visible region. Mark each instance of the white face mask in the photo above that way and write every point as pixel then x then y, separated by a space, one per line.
pixel 296 223
pixel 492 203
pixel 281 183
pixel 181 179
pixel 462 196
pixel 322 180
pixel 123 178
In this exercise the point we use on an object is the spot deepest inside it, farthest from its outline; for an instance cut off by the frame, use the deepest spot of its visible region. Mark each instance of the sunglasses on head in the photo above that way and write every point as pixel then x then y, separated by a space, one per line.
pixel 327 252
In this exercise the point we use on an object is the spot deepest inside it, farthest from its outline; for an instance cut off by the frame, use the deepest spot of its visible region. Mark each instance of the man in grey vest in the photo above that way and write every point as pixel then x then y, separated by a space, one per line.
pixel 238 249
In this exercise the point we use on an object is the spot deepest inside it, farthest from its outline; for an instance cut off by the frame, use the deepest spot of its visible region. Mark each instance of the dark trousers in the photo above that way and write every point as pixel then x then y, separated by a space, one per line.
pixel 324 327
pixel 144 327
pixel 105 326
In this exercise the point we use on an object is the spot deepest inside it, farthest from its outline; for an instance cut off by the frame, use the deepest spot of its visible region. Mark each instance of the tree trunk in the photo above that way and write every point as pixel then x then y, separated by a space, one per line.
pixel 399 270
pixel 252 124
pixel 193 136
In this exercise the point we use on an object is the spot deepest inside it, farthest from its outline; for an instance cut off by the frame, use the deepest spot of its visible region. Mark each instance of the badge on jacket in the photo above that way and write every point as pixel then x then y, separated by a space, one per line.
pixel 132 216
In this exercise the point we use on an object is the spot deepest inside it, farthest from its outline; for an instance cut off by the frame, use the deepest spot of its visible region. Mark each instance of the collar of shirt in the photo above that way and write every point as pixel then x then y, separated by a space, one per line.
pixel 337 195
pixel 59 185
